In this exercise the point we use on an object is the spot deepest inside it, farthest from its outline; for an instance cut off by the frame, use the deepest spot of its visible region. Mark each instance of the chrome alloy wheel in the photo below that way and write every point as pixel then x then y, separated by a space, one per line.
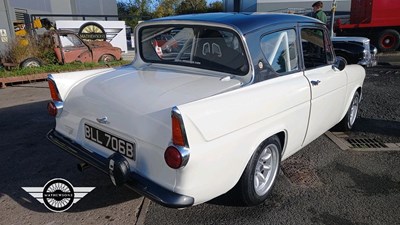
pixel 266 169
pixel 354 110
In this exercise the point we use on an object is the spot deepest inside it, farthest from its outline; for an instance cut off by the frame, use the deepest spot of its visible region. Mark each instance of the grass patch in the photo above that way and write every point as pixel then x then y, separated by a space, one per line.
pixel 54 68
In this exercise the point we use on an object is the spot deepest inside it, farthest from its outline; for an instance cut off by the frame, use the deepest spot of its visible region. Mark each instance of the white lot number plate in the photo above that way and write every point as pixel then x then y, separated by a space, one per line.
pixel 110 141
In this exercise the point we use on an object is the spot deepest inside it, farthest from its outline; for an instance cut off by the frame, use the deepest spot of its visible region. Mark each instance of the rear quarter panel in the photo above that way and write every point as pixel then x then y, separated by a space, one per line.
pixel 355 80
pixel 224 131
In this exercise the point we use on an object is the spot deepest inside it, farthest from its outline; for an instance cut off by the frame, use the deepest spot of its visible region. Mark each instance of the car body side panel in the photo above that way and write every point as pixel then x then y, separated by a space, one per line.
pixel 232 125
pixel 235 110
pixel 77 53
pixel 328 91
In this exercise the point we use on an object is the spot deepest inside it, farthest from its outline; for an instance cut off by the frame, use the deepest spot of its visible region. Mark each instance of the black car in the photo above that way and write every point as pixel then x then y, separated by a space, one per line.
pixel 355 50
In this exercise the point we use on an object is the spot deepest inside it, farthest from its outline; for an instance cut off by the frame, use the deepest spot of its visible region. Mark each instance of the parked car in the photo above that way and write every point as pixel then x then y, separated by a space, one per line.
pixel 67 47
pixel 242 93
pixel 355 50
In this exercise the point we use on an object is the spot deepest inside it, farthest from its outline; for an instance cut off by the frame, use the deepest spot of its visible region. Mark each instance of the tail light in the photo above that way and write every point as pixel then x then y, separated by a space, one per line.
pixel 55 95
pixel 54 107
pixel 178 135
pixel 173 157
pixel 177 155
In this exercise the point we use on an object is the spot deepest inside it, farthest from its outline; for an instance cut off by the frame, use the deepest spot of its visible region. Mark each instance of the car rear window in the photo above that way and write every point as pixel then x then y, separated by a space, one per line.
pixel 195 46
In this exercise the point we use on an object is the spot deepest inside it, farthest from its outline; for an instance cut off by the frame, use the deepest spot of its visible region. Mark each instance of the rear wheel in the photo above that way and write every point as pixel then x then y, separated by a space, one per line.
pixel 261 172
pixel 31 62
pixel 349 119
pixel 388 40
pixel 106 58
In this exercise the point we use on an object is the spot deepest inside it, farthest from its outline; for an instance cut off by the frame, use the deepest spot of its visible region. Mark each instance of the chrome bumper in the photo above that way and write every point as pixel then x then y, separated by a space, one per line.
pixel 136 182
pixel 368 62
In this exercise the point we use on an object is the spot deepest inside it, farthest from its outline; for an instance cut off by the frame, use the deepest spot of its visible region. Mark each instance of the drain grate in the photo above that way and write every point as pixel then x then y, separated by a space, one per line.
pixel 360 144
pixel 300 173
pixel 366 143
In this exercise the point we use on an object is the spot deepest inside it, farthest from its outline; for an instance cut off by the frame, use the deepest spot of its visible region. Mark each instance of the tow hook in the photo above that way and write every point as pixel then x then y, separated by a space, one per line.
pixel 118 169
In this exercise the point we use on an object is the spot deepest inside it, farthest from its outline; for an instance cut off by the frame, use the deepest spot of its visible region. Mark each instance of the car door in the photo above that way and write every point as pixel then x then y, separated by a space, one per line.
pixel 284 81
pixel 328 84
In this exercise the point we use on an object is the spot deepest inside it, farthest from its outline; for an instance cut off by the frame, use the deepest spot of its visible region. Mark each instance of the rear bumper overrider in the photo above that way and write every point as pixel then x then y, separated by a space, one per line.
pixel 134 181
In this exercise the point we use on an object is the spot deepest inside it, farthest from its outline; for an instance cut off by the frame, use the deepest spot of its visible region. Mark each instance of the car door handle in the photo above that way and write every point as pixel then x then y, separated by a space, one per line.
pixel 315 82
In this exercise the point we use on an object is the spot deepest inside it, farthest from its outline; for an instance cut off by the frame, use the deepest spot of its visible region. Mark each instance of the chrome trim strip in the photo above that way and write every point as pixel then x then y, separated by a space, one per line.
pixel 185 153
pixel 59 105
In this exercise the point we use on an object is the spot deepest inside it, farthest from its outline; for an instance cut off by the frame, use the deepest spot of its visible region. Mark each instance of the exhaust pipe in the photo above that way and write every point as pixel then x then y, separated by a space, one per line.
pixel 83 166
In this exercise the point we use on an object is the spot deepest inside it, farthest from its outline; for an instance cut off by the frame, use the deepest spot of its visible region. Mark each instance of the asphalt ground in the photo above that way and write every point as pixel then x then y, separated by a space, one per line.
pixel 334 186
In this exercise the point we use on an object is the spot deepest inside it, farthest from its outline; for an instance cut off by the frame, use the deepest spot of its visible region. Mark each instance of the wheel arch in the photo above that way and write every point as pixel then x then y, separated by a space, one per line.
pixel 348 102
pixel 282 139
pixel 261 139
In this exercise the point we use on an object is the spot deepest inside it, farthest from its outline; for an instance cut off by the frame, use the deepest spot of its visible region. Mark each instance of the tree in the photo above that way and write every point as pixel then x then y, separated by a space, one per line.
pixel 215 7
pixel 134 10
pixel 166 8
pixel 192 6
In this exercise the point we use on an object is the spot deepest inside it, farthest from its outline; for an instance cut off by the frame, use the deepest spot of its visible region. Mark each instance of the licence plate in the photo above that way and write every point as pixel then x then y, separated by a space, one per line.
pixel 110 141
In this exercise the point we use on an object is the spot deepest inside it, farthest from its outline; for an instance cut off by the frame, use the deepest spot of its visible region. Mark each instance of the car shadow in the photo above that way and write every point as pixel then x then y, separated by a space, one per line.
pixel 376 126
pixel 28 159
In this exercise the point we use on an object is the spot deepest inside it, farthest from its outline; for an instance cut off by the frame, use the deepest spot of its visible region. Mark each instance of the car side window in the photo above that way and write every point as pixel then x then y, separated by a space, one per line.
pixel 280 50
pixel 316 50
pixel 70 40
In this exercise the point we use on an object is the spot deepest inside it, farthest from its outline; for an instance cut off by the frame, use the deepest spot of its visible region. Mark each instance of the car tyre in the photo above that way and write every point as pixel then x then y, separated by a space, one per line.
pixel 349 119
pixel 388 40
pixel 261 172
pixel 106 58
pixel 31 62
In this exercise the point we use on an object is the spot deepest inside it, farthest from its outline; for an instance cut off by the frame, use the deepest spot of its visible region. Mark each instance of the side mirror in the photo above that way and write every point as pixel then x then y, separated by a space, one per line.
pixel 339 64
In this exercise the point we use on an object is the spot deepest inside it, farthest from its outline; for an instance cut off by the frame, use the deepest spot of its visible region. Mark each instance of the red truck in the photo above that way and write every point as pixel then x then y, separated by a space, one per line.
pixel 378 20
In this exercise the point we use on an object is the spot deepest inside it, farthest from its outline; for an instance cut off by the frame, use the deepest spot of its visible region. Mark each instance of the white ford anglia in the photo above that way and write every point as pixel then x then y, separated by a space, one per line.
pixel 210 102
